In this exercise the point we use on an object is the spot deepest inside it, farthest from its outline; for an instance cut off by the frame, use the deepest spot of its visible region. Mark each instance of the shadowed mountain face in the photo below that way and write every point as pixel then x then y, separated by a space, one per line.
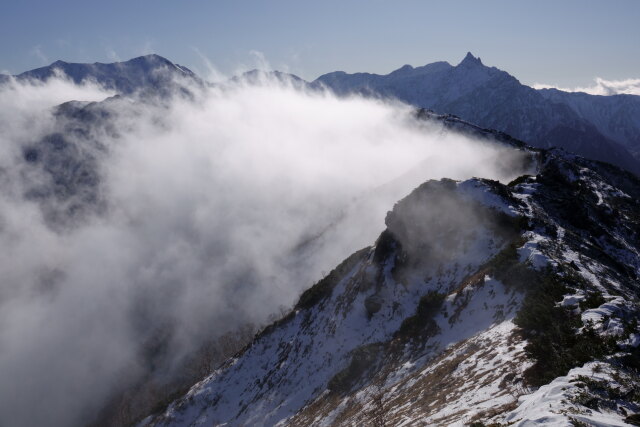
pixel 602 128
pixel 149 72
pixel 615 116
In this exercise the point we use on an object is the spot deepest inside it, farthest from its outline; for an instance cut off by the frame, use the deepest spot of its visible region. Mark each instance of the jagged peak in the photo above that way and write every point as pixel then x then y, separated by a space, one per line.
pixel 469 59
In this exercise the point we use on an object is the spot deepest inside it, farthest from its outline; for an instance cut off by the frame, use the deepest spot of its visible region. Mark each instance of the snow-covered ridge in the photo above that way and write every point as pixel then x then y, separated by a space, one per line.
pixel 419 329
pixel 570 399
pixel 303 356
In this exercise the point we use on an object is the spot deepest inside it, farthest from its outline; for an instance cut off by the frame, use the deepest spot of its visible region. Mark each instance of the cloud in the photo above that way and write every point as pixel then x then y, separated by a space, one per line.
pixel 147 47
pixel 207 213
pixel 112 54
pixel 39 53
pixel 212 74
pixel 260 60
pixel 25 108
pixel 601 87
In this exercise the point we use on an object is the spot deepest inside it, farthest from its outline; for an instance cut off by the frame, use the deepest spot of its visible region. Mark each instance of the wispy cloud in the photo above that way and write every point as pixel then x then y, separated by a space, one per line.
pixel 212 73
pixel 601 87
pixel 147 48
pixel 39 53
pixel 113 55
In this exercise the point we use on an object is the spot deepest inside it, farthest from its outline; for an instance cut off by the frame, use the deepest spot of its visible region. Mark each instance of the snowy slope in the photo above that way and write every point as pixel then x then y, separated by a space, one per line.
pixel 288 366
pixel 429 326
pixel 567 400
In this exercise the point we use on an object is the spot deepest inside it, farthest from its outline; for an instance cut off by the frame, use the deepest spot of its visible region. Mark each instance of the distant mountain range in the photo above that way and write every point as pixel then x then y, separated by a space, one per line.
pixel 598 127
pixel 149 72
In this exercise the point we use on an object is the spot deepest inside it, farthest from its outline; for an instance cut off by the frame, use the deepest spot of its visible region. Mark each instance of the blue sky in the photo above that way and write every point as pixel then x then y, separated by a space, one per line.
pixel 566 42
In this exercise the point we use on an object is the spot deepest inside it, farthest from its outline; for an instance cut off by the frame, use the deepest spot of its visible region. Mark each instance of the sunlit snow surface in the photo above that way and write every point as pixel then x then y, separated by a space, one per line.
pixel 551 405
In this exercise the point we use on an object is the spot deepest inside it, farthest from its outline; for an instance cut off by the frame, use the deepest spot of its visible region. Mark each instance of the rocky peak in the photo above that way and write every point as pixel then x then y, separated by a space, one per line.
pixel 470 61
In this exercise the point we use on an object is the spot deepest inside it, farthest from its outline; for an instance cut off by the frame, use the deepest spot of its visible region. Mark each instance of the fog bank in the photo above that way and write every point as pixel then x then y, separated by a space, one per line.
pixel 180 219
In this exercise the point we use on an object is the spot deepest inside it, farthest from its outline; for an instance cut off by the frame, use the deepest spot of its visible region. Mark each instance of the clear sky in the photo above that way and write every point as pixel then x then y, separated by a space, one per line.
pixel 562 42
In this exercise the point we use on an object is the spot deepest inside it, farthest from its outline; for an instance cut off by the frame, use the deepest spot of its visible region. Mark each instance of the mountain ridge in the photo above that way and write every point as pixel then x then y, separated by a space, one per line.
pixel 442 321
pixel 604 127
pixel 492 98
pixel 147 72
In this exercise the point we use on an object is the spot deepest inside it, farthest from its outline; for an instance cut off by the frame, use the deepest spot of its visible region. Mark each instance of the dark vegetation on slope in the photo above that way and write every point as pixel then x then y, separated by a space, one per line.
pixel 365 361
pixel 422 324
pixel 551 331
pixel 557 338
pixel 620 395
pixel 68 191
pixel 603 230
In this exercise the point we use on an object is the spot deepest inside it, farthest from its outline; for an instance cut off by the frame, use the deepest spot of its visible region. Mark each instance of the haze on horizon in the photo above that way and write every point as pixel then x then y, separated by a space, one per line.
pixel 546 43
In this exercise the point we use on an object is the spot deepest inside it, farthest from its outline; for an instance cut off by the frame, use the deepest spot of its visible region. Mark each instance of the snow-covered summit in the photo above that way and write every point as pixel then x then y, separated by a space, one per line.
pixel 470 61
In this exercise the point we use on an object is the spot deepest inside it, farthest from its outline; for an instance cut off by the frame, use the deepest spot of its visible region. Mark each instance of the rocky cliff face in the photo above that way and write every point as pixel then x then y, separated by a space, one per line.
pixel 480 302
